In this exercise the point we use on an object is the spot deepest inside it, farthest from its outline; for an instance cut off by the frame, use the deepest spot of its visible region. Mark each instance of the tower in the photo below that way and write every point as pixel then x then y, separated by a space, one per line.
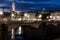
pixel 13 6
pixel 43 11
pixel 44 16
pixel 13 10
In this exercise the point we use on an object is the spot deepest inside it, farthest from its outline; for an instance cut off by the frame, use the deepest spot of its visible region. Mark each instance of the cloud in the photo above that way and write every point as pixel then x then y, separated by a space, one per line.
pixel 41 2
pixel 3 4
pixel 25 2
pixel 11 0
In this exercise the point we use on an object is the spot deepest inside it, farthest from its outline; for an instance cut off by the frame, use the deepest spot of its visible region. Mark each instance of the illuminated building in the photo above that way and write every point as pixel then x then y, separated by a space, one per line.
pixel 55 15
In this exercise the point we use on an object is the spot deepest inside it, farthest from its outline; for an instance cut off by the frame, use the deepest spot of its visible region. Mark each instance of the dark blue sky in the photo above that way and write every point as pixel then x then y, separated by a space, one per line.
pixel 24 5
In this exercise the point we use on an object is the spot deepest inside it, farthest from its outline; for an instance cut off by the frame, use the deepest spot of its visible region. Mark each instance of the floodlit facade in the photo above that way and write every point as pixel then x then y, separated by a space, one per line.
pixel 29 17
pixel 55 15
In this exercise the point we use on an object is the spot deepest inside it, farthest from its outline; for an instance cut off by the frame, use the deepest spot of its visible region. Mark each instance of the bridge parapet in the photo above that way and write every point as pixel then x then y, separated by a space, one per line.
pixel 14 24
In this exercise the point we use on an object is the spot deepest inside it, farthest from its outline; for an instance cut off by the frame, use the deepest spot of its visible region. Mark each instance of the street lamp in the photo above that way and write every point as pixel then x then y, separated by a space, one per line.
pixel 47 17
pixel 40 16
pixel 25 14
pixel 12 15
pixel 51 16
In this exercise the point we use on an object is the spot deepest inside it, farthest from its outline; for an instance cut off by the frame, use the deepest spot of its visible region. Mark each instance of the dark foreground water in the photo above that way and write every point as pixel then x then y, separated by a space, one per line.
pixel 17 37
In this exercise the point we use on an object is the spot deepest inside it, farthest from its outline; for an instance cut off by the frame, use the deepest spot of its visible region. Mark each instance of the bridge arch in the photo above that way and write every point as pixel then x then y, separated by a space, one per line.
pixel 51 31
pixel 29 32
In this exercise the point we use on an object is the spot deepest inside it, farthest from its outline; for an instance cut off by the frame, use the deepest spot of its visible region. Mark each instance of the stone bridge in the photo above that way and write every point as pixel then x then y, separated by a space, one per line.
pixel 15 24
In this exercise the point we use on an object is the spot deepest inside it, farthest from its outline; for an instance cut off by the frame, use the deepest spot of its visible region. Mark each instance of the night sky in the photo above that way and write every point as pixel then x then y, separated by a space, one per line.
pixel 38 5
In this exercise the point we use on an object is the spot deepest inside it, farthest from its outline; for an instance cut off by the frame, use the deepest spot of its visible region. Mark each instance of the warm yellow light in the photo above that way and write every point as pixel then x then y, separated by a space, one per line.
pixel 34 19
pixel 1 12
pixel 40 16
pixel 19 30
pixel 12 33
pixel 25 14
pixel 51 16
pixel 39 19
pixel 47 17
pixel 12 15
pixel 58 17
pixel 19 19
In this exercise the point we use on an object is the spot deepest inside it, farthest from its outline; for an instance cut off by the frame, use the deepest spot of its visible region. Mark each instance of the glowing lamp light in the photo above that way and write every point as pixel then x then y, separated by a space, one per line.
pixel 1 12
pixel 19 30
pixel 58 17
pixel 39 19
pixel 12 15
pixel 25 14
pixel 40 16
pixel 51 16
pixel 47 17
